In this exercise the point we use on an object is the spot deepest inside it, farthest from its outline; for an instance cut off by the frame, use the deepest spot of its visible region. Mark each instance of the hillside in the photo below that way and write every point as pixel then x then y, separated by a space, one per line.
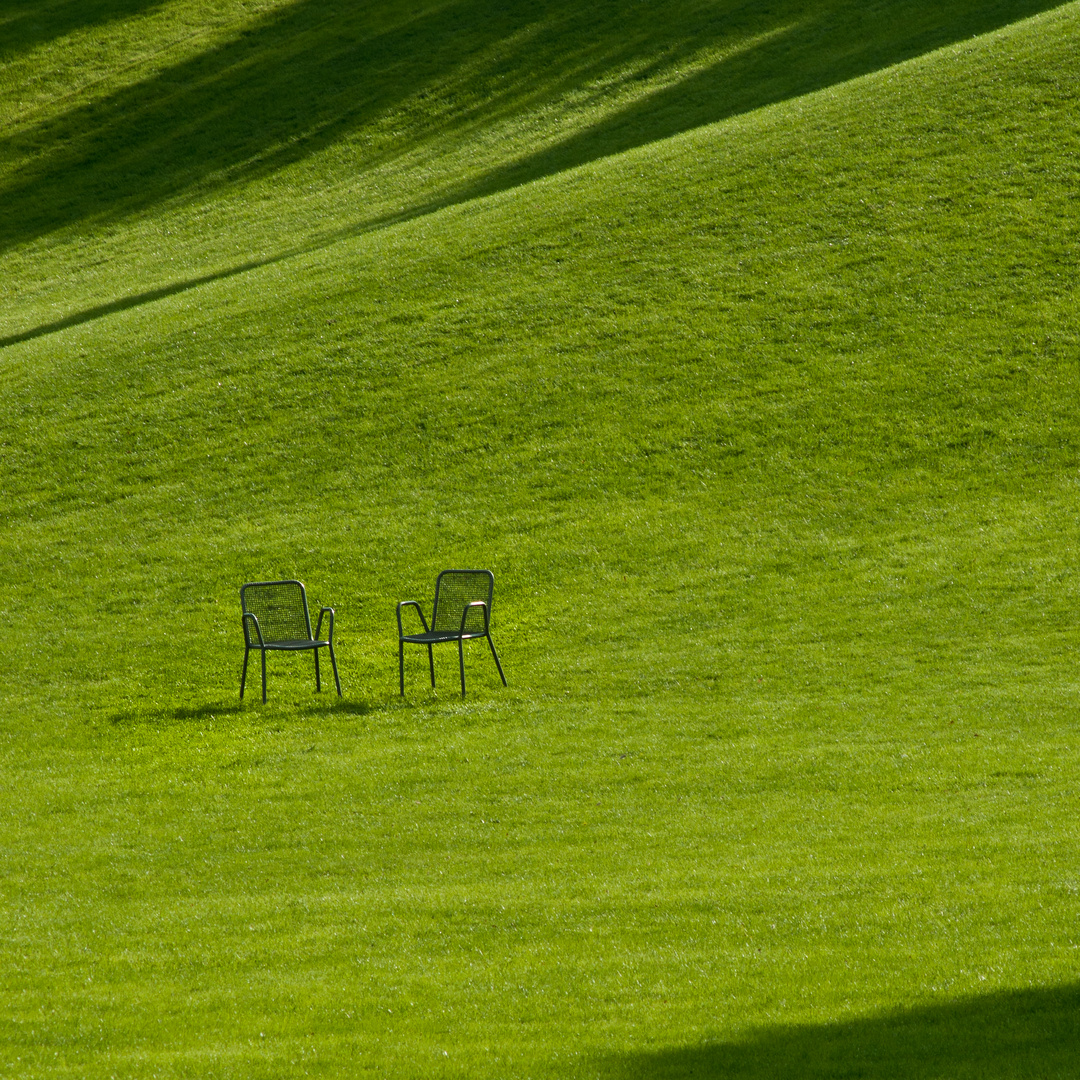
pixel 741 345
pixel 162 144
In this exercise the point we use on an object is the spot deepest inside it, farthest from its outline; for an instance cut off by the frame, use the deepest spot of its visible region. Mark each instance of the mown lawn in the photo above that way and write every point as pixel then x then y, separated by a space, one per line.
pixel 762 410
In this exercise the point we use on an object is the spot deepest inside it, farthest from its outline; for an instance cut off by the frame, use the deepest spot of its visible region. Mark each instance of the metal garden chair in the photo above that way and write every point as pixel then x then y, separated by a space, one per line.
pixel 276 620
pixel 462 610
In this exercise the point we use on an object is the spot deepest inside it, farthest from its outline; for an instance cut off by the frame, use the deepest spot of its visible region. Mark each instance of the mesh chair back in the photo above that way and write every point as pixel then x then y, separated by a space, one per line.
pixel 281 608
pixel 456 588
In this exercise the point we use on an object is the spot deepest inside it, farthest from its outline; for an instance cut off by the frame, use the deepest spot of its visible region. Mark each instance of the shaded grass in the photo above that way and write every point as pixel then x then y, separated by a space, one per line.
pixel 366 115
pixel 1026 1033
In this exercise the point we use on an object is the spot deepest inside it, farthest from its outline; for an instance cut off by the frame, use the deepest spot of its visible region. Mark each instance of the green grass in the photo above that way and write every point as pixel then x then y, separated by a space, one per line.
pixel 741 346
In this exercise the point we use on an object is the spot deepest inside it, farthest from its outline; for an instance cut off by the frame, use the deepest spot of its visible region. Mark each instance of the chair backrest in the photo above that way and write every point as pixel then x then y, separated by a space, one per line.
pixel 456 588
pixel 281 608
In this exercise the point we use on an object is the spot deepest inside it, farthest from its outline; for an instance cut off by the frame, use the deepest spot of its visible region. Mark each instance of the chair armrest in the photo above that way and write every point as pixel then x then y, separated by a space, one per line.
pixel 465 614
pixel 409 603
pixel 258 630
pixel 318 625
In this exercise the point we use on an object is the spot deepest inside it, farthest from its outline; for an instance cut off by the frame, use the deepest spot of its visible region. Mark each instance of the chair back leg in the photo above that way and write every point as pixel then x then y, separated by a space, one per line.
pixel 496 655
pixel 333 664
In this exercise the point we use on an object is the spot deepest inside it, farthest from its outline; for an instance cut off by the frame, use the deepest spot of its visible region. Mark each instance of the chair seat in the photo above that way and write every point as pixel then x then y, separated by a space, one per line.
pixel 300 644
pixel 433 636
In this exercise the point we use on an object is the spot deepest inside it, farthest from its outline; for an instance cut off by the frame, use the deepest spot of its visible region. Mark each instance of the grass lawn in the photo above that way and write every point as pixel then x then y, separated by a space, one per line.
pixel 741 345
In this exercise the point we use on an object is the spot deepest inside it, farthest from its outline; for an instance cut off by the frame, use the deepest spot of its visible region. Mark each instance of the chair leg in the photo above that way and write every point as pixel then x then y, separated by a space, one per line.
pixel 401 665
pixel 461 661
pixel 496 655
pixel 431 664
pixel 263 651
pixel 333 664
pixel 243 674
pixel 318 684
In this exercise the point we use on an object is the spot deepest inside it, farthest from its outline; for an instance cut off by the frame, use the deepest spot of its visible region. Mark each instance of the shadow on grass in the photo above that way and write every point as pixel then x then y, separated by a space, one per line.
pixel 1020 1033
pixel 207 711
pixel 29 24
pixel 349 708
pixel 99 311
pixel 314 72
pixel 216 710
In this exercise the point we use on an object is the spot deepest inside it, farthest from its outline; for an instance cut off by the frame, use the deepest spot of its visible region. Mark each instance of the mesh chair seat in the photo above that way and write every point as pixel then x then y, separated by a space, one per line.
pixel 312 644
pixel 433 637
pixel 461 612
pixel 275 619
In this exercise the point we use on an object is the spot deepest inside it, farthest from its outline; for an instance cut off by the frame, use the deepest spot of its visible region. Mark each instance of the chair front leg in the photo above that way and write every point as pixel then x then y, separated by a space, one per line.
pixel 251 618
pixel 318 684
pixel 461 662
pixel 401 665
pixel 431 665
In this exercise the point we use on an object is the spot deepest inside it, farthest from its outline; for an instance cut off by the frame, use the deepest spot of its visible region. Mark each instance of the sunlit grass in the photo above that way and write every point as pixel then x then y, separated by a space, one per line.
pixel 767 431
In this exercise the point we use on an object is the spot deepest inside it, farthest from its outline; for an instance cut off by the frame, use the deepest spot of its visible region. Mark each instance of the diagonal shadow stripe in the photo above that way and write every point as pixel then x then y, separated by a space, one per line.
pixel 315 73
pixel 1003 1036
pixel 175 288
pixel 136 300
pixel 818 49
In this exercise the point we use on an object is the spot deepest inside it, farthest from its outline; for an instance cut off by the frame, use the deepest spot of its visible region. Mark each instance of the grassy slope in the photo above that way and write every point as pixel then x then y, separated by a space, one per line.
pixel 778 479
pixel 194 139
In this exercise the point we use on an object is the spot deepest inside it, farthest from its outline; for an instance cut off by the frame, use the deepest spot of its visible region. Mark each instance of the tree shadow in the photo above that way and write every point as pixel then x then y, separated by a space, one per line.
pixel 800 52
pixel 28 24
pixel 1012 1034
pixel 315 72
pixel 112 307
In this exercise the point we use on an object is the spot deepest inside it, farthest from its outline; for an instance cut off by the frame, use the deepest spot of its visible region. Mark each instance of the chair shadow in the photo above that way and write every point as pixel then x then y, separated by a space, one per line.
pixel 1011 1034
pixel 344 707
pixel 210 710
pixel 217 710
